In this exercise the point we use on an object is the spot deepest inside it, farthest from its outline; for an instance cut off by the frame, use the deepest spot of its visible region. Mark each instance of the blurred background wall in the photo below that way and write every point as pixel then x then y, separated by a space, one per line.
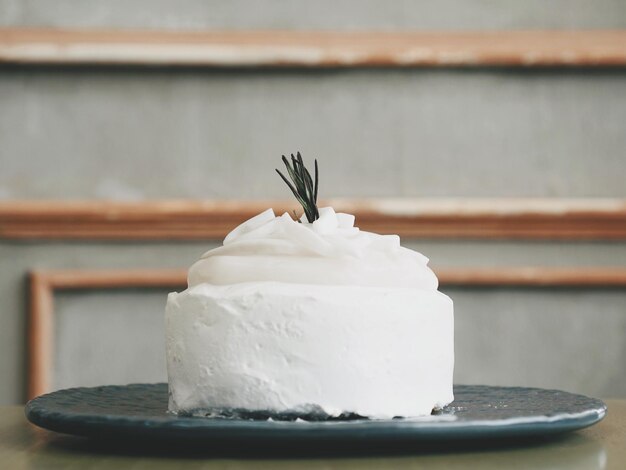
pixel 144 133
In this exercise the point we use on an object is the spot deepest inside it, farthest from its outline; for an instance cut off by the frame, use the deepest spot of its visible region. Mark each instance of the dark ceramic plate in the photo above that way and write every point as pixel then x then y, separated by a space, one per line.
pixel 138 413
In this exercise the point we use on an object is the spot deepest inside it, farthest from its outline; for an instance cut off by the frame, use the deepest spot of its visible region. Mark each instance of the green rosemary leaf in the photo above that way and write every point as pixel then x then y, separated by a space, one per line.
pixel 290 170
pixel 302 185
pixel 316 180
pixel 293 190
pixel 306 177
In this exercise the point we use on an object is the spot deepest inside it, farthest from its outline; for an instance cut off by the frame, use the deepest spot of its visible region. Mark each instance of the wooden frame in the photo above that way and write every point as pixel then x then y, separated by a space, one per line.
pixel 43 284
pixel 313 48
pixel 527 219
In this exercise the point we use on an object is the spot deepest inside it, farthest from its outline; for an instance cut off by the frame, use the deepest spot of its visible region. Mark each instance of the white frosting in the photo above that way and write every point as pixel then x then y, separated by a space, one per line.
pixel 328 251
pixel 377 352
pixel 290 316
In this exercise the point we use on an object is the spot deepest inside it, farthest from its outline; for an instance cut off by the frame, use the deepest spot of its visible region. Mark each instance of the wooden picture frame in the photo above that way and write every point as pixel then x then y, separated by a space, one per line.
pixel 44 283
pixel 480 219
pixel 311 49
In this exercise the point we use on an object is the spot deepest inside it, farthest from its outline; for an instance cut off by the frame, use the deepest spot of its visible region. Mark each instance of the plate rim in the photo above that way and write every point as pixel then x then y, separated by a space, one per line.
pixel 171 427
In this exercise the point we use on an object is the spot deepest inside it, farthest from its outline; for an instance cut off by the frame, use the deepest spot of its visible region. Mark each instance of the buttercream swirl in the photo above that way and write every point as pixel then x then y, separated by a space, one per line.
pixel 330 250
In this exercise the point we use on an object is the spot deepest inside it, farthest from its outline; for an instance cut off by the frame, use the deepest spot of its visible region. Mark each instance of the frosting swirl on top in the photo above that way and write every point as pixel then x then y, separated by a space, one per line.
pixel 328 251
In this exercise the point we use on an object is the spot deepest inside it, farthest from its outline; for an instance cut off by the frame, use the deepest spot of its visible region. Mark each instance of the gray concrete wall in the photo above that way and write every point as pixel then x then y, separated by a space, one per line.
pixel 129 134
pixel 321 14
pixel 135 134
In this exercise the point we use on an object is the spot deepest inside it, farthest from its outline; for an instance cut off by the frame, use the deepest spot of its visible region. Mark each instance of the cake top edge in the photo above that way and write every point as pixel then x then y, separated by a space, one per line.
pixel 329 250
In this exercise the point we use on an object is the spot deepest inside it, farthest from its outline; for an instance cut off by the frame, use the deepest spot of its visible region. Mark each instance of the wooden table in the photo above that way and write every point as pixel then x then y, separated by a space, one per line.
pixel 602 446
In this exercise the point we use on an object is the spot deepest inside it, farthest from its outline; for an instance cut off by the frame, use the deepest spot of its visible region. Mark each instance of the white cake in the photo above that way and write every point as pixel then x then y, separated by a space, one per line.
pixel 310 317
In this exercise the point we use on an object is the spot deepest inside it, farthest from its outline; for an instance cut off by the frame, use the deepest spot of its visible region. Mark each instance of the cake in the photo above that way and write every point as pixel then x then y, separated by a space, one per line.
pixel 310 317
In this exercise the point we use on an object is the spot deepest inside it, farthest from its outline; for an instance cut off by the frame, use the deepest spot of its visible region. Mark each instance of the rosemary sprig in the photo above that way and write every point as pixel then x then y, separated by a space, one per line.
pixel 304 188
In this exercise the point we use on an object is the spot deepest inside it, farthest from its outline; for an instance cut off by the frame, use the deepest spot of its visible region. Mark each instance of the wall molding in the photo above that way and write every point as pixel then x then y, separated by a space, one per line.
pixel 525 219
pixel 313 48
pixel 44 284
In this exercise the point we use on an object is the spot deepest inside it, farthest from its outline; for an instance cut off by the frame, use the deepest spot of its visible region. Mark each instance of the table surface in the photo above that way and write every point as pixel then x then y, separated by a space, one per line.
pixel 23 445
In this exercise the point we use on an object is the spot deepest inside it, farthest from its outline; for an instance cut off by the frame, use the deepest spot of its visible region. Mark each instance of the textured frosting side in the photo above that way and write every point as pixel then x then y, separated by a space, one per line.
pixel 378 352
pixel 328 251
